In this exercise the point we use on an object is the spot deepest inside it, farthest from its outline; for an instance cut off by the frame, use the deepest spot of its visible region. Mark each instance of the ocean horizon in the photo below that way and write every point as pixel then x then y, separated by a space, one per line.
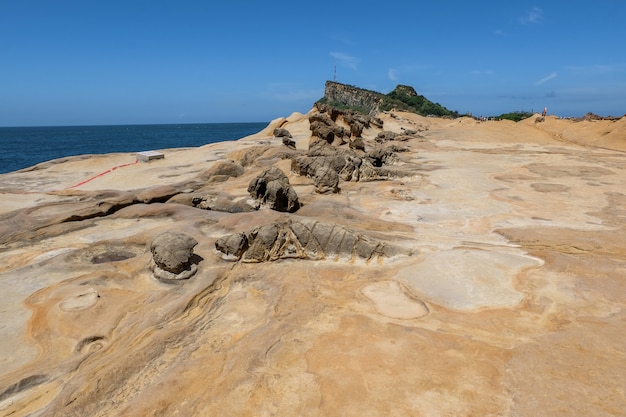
pixel 24 147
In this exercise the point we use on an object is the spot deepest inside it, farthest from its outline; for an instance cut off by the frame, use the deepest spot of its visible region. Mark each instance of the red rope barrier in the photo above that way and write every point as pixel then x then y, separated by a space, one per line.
pixel 101 174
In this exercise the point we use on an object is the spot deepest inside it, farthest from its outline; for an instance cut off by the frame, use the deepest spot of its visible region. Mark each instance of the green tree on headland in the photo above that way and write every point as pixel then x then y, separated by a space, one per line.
pixel 516 116
pixel 404 97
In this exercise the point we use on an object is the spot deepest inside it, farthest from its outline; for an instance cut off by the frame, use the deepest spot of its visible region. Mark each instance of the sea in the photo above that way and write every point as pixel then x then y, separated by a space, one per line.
pixel 23 147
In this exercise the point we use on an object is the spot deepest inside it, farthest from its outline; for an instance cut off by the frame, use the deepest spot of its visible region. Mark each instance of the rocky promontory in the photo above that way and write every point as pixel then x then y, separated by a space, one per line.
pixel 335 263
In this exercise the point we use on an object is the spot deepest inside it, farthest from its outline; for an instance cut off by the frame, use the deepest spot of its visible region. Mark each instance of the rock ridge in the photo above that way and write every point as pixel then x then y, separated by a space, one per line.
pixel 303 239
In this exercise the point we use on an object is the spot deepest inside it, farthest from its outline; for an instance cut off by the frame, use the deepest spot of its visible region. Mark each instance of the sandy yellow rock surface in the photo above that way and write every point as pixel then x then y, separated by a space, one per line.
pixel 508 298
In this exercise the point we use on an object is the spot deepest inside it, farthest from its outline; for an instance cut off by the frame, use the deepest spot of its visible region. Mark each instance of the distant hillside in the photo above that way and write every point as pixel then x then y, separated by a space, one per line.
pixel 403 98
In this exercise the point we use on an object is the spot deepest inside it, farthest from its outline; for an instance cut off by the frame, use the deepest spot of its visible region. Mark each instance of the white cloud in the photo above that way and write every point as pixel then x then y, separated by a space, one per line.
pixel 546 78
pixel 345 59
pixel 393 75
pixel 533 16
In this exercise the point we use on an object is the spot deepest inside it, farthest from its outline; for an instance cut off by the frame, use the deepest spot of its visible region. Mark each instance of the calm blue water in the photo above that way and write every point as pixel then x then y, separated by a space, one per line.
pixel 22 147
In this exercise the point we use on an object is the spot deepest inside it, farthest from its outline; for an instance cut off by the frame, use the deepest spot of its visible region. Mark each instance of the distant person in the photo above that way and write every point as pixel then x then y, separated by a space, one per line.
pixel 545 111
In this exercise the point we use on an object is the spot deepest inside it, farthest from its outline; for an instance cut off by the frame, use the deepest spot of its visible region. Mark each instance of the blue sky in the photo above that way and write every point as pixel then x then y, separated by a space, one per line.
pixel 118 62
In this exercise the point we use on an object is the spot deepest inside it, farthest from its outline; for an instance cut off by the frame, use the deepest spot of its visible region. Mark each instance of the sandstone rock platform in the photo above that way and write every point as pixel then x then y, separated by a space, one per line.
pixel 504 295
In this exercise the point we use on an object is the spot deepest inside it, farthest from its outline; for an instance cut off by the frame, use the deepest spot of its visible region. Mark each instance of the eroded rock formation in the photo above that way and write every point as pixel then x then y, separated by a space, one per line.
pixel 273 189
pixel 303 239
pixel 328 164
pixel 483 250
pixel 285 136
pixel 172 254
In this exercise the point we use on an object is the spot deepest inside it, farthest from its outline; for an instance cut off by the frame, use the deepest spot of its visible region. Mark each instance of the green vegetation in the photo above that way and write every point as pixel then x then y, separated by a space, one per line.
pixel 516 116
pixel 405 98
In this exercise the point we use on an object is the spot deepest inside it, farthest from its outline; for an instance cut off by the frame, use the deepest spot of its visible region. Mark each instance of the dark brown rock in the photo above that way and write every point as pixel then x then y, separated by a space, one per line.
pixel 305 239
pixel 357 144
pixel 385 136
pixel 326 180
pixel 288 142
pixel 171 254
pixel 272 188
pixel 232 245
pixel 281 132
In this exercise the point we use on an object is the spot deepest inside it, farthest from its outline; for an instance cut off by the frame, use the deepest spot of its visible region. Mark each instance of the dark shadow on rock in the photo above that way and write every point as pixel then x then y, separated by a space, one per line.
pixel 23 384
pixel 112 256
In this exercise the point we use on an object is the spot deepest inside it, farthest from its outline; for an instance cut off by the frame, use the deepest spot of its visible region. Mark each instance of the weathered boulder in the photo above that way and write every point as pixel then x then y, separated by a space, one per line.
pixel 262 241
pixel 303 239
pixel 288 142
pixel 171 256
pixel 324 127
pixel 381 156
pixel 348 165
pixel 377 122
pixel 357 144
pixel 281 132
pixel 272 188
pixel 355 120
pixel 356 129
pixel 385 136
pixel 323 118
pixel 322 131
pixel 326 180
pixel 232 245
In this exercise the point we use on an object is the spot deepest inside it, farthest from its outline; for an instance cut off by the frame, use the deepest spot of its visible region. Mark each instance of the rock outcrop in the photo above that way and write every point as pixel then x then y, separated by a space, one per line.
pixel 402 98
pixel 172 254
pixel 223 171
pixel 328 164
pixel 272 189
pixel 324 127
pixel 353 96
pixel 483 250
pixel 225 203
pixel 303 239
pixel 286 137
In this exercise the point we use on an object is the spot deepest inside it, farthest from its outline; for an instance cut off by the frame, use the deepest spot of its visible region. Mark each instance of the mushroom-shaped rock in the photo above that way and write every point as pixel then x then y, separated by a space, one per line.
pixel 172 255
pixel 272 188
